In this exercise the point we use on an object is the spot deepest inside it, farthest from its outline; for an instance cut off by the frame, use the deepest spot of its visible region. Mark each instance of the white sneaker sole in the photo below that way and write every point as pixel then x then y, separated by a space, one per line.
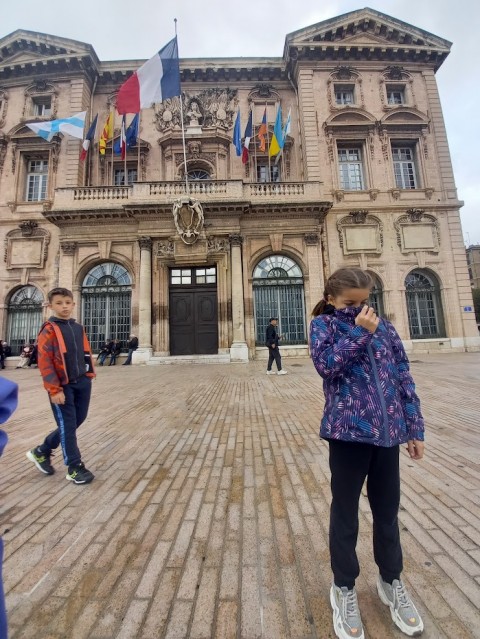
pixel 337 622
pixel 407 630
pixel 32 459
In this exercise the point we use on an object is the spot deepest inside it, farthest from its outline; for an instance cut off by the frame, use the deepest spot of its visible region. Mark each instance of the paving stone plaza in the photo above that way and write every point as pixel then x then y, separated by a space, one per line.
pixel 208 516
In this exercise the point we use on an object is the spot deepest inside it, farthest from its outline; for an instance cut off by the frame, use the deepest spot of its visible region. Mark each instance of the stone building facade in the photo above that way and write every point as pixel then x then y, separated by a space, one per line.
pixel 473 263
pixel 364 179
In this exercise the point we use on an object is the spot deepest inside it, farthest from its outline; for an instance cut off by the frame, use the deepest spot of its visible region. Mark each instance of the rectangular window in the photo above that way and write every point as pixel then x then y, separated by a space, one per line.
pixel 344 94
pixel 205 275
pixel 119 176
pixel 395 95
pixel 181 276
pixel 262 173
pixel 404 167
pixel 42 107
pixel 37 180
pixel 351 169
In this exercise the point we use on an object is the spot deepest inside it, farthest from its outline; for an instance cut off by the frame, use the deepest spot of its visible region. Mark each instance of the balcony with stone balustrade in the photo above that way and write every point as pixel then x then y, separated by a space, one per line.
pixel 164 193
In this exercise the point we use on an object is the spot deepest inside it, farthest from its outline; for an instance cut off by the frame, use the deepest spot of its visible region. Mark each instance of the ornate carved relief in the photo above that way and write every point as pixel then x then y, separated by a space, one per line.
pixel 68 248
pixel 349 75
pixel 213 107
pixel 188 218
pixel 145 243
pixel 360 232
pixel 27 246
pixel 27 227
pixel 165 249
pixel 235 239
pixel 264 93
pixel 3 150
pixel 417 231
pixel 3 107
pixel 311 239
pixel 217 244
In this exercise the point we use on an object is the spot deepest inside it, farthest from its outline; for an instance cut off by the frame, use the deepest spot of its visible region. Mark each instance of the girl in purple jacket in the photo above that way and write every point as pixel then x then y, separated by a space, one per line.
pixel 370 409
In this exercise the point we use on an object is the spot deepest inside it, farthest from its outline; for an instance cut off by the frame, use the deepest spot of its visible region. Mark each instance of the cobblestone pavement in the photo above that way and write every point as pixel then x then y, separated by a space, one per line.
pixel 208 516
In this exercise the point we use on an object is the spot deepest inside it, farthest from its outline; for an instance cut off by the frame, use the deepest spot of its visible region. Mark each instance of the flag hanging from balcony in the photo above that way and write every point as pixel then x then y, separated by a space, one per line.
pixel 107 134
pixel 68 126
pixel 237 135
pixel 247 138
pixel 88 139
pixel 276 142
pixel 154 81
pixel 123 140
pixel 286 128
pixel 262 132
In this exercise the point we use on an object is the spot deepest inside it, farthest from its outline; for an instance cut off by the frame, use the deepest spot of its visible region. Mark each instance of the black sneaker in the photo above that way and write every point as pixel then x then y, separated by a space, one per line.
pixel 79 474
pixel 41 461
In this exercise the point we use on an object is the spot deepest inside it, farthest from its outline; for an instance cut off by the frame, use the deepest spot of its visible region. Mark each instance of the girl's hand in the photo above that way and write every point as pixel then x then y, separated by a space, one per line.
pixel 368 319
pixel 415 448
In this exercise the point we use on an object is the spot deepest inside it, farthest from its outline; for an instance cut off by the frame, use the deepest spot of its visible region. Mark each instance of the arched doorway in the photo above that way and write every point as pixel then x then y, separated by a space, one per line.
pixel 24 317
pixel 424 307
pixel 278 292
pixel 106 304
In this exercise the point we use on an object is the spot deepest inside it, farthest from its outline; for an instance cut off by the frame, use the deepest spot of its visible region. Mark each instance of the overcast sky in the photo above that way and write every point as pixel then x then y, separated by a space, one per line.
pixel 123 29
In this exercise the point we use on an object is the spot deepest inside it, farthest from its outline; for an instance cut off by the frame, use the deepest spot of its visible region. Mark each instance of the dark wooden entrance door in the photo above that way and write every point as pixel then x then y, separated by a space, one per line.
pixel 193 321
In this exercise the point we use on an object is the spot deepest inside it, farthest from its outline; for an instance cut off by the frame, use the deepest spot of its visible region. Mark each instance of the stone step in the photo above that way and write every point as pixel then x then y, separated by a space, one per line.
pixel 223 358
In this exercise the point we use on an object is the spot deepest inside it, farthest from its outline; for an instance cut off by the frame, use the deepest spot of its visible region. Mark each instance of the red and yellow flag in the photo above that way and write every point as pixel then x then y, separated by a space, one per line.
pixel 262 132
pixel 107 134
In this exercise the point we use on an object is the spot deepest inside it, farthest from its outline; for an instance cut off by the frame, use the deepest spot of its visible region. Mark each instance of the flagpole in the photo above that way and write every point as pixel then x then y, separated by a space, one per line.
pixel 125 181
pixel 138 148
pixel 113 138
pixel 255 147
pixel 183 126
pixel 268 147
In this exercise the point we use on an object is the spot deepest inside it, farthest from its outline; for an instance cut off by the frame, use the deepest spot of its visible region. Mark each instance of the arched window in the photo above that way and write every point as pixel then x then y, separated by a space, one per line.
pixel 198 174
pixel 376 296
pixel 425 317
pixel 106 304
pixel 24 317
pixel 278 292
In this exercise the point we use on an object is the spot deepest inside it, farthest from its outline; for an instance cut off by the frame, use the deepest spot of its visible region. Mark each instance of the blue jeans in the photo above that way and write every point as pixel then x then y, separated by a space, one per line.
pixel 69 417
pixel 129 357
pixel 101 358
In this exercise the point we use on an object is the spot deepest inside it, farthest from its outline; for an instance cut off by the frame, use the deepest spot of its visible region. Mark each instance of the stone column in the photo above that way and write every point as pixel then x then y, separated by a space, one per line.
pixel 144 352
pixel 239 348
pixel 65 279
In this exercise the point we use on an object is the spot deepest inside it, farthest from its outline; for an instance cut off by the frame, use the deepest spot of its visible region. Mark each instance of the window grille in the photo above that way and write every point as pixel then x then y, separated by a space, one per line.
pixel 425 317
pixel 24 317
pixel 279 292
pixel 106 304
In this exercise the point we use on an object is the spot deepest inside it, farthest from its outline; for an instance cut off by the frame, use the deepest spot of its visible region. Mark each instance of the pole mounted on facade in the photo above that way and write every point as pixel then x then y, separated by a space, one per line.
pixel 187 188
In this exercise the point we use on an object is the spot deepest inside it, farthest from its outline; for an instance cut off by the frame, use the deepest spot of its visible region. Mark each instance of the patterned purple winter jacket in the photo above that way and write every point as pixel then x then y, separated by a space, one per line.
pixel 369 392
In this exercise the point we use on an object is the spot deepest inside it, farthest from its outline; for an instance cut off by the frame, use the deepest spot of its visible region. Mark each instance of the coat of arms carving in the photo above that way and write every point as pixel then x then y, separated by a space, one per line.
pixel 188 218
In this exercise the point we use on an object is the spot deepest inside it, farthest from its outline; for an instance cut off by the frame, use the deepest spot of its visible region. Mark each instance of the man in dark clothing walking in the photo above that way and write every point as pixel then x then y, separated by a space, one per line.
pixel 271 340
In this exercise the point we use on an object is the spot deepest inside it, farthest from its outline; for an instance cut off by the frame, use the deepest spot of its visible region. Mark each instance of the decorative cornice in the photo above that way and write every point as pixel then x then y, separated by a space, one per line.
pixel 311 239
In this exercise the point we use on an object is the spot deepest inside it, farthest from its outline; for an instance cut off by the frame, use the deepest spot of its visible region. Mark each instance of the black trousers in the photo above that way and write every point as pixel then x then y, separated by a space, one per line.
pixel 274 354
pixel 350 464
pixel 69 417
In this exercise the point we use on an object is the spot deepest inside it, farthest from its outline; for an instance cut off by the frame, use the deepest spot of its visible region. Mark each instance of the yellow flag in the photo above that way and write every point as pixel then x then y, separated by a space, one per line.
pixel 107 134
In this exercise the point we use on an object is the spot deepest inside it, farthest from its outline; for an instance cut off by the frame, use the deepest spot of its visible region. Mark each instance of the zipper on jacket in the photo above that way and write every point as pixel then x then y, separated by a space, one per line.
pixel 380 393
pixel 76 350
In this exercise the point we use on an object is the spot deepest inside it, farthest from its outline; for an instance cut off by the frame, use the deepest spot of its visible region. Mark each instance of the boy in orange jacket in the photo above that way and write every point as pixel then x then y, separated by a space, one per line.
pixel 66 365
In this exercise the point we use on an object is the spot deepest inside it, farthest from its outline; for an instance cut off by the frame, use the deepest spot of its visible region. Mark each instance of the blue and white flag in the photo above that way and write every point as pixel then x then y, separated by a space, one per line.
pixel 70 126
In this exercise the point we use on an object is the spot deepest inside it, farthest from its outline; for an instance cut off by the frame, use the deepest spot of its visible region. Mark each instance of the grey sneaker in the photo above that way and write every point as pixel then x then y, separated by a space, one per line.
pixel 404 614
pixel 347 622
pixel 270 372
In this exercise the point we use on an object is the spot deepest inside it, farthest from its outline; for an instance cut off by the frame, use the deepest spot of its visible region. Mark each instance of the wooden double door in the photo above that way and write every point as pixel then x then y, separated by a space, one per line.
pixel 193 320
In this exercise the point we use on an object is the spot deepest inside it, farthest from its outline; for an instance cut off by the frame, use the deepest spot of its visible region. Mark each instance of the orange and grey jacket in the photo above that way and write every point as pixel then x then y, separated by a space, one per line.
pixel 52 356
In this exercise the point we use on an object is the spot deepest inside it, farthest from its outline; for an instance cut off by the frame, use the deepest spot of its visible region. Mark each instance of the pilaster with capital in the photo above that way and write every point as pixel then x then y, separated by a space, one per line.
pixel 238 348
pixel 144 352
pixel 67 261
pixel 316 284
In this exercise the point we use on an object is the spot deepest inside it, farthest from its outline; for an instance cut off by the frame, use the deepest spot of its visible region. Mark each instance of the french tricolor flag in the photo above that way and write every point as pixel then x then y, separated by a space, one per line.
pixel 156 80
